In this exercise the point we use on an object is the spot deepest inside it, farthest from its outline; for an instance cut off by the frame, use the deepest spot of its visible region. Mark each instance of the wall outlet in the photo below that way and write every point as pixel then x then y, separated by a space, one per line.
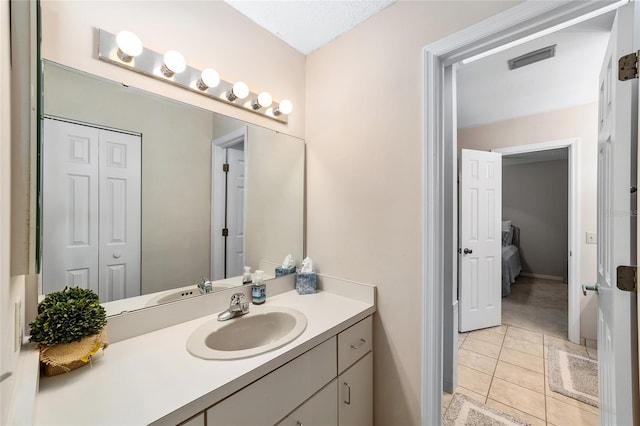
pixel 591 238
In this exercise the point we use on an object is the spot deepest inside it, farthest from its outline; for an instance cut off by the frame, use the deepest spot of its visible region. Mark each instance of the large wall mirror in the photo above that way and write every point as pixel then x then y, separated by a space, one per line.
pixel 134 195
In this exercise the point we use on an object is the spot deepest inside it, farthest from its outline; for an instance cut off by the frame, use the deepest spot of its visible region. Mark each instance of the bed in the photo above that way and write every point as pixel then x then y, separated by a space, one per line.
pixel 511 265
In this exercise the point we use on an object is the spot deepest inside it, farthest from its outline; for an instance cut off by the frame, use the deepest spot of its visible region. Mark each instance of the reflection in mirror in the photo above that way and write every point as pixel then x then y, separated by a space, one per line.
pixel 135 194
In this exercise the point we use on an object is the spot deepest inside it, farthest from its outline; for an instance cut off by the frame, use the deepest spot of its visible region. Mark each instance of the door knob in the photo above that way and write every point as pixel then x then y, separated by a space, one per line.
pixel 595 287
pixel 467 251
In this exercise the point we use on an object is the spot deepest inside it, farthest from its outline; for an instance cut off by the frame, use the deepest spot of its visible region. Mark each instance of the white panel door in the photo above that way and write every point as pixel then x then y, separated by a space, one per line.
pixel 480 239
pixel 90 210
pixel 119 252
pixel 616 135
pixel 69 206
pixel 235 212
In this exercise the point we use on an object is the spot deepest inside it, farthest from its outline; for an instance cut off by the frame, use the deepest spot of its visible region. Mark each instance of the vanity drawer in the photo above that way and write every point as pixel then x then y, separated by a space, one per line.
pixel 354 343
pixel 271 398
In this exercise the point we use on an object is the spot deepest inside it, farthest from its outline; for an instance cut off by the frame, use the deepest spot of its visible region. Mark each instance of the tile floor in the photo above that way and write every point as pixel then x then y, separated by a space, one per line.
pixel 504 367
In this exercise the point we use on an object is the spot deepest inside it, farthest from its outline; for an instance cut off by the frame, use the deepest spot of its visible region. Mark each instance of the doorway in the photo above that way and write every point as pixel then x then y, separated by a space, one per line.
pixel 535 204
pixel 228 200
pixel 553 150
pixel 439 234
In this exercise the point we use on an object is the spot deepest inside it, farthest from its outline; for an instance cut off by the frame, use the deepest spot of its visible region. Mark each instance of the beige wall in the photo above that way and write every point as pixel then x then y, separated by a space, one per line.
pixel 534 198
pixel 14 199
pixel 209 34
pixel 7 362
pixel 577 122
pixel 364 193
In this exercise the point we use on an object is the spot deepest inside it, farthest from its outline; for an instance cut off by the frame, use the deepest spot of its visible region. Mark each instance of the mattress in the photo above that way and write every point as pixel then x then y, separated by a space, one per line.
pixel 511 267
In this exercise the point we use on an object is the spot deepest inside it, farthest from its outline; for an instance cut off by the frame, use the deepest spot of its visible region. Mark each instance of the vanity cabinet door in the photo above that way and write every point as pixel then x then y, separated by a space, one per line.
pixel 355 394
pixel 319 410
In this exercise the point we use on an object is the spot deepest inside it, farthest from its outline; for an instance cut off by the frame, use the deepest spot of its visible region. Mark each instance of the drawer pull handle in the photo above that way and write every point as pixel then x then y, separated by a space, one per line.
pixel 359 345
pixel 299 423
pixel 347 400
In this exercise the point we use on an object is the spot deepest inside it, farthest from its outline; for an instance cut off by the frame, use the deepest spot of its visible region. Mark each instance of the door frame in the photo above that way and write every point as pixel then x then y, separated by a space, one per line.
pixel 218 158
pixel 573 237
pixel 515 25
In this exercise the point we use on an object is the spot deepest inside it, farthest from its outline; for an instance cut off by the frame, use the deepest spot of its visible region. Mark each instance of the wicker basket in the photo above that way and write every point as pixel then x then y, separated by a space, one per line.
pixel 64 357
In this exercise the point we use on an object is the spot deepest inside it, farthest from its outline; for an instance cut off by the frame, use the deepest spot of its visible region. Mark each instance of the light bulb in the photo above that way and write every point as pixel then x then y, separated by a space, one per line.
pixel 240 90
pixel 264 101
pixel 208 78
pixel 174 63
pixel 285 107
pixel 129 45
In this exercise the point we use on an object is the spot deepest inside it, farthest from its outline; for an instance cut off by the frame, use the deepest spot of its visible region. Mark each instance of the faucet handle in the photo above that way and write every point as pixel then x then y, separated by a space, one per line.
pixel 239 302
pixel 205 285
pixel 236 298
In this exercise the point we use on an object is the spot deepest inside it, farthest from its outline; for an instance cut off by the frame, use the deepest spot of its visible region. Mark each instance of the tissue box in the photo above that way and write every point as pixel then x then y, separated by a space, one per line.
pixel 306 282
pixel 280 271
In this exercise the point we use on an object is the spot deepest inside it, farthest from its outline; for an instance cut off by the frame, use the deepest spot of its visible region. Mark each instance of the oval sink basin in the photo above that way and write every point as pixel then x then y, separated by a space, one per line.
pixel 255 333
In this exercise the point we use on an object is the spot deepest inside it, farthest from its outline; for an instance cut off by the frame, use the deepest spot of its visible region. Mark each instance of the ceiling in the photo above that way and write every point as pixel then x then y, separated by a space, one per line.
pixel 489 92
pixel 307 25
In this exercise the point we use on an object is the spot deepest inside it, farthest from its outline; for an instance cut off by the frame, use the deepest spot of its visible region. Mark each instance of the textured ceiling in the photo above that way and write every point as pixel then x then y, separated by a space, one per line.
pixel 307 25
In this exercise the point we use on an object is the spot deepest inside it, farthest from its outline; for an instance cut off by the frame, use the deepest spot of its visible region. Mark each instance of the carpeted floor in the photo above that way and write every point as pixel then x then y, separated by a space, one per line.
pixel 537 304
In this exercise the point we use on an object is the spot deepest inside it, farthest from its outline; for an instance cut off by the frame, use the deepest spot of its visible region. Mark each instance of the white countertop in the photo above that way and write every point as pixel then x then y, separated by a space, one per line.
pixel 142 379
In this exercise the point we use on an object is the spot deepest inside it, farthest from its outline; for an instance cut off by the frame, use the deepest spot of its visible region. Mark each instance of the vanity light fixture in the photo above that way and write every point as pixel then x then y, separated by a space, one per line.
pixel 285 108
pixel 208 78
pixel 264 101
pixel 129 45
pixel 120 49
pixel 174 63
pixel 240 90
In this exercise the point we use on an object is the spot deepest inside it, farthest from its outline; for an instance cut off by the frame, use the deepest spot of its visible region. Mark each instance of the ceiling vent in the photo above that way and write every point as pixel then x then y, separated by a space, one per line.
pixel 532 57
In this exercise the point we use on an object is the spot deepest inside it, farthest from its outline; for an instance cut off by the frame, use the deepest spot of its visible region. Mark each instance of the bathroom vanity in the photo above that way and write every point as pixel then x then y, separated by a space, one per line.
pixel 324 376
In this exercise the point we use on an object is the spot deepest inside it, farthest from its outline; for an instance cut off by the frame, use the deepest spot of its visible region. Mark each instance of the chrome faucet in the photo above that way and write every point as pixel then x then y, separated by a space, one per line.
pixel 205 286
pixel 239 306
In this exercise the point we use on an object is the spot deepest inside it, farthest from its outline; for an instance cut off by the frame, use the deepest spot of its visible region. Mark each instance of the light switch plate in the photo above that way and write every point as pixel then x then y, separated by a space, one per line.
pixel 591 238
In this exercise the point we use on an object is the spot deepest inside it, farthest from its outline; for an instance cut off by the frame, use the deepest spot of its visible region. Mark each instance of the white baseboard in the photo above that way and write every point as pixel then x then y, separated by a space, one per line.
pixel 546 277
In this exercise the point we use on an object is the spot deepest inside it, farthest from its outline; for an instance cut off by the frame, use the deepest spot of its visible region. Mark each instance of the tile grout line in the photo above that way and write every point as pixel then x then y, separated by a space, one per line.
pixel 543 393
pixel 515 384
pixel 493 375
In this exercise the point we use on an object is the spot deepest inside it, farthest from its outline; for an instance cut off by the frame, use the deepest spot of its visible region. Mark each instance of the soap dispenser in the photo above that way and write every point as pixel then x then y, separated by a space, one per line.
pixel 258 289
pixel 246 276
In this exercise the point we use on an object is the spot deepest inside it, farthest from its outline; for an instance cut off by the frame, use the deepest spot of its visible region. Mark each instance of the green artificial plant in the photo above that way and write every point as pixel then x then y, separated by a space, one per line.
pixel 68 316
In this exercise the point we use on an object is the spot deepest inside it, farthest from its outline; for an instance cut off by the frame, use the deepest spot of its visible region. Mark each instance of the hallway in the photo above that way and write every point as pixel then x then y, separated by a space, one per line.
pixel 537 304
pixel 505 368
